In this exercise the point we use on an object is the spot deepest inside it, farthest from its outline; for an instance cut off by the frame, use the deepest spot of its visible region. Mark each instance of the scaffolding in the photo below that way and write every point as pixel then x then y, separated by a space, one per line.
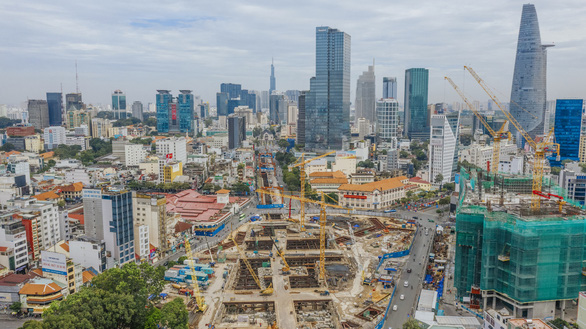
pixel 526 256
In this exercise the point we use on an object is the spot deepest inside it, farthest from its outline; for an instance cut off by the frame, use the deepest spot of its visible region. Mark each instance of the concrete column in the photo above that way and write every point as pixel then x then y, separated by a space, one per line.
pixel 494 302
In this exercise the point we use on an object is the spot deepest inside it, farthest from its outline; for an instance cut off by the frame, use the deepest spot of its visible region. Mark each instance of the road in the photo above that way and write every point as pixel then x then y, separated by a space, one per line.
pixel 417 260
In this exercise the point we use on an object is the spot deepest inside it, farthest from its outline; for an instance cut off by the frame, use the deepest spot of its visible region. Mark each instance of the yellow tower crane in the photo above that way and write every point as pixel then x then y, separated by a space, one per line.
pixel 497 136
pixel 301 164
pixel 540 149
pixel 199 300
pixel 286 267
pixel 266 291
pixel 322 225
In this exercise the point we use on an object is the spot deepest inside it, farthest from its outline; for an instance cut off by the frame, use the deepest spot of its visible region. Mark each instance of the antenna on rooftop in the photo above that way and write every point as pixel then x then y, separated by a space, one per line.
pixel 76 79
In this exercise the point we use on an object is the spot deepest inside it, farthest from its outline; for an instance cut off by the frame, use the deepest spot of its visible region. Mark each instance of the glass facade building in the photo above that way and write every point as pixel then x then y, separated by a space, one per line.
pixel 221 104
pixel 328 101
pixel 186 111
pixel 390 87
pixel 163 103
pixel 416 115
pixel 273 82
pixel 528 93
pixel 387 120
pixel 119 104
pixel 55 103
pixel 567 129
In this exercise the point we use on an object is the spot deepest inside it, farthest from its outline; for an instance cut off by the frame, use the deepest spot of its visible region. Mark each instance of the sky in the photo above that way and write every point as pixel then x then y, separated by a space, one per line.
pixel 140 46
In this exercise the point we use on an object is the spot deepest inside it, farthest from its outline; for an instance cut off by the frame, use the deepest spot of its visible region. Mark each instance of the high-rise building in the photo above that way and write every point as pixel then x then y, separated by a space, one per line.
pixel 108 217
pixel 301 118
pixel 222 104
pixel 567 129
pixel 174 149
pixel 443 147
pixel 119 104
pixel 54 136
pixel 233 89
pixel 365 95
pixel 164 102
pixel 137 110
pixel 528 93
pixel 73 102
pixel 14 245
pixel 150 210
pixel 185 115
pixel 277 108
pixel 38 113
pixel 55 103
pixel 293 95
pixel 387 121
pixel 236 131
pixel 328 101
pixel 273 84
pixel 416 122
pixel 390 87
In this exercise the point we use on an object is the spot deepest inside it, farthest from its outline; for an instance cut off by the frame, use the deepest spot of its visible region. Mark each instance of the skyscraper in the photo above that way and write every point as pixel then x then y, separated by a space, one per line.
pixel 327 104
pixel 567 129
pixel 443 148
pixel 38 113
pixel 185 113
pixel 301 118
pixel 73 102
pixel 119 104
pixel 387 120
pixel 236 131
pixel 108 217
pixel 365 95
pixel 233 89
pixel 163 103
pixel 273 85
pixel 416 115
pixel 55 103
pixel 529 78
pixel 137 110
pixel 221 104
pixel 277 108
pixel 390 87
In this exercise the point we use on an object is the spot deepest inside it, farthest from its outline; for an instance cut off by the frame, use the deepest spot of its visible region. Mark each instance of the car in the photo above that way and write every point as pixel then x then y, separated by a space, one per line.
pixel 394 307
pixel 408 270
pixel 415 217
pixel 406 284
pixel 402 297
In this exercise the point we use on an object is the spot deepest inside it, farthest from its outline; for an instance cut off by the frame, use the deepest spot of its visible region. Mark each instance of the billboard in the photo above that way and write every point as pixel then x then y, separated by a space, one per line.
pixel 53 262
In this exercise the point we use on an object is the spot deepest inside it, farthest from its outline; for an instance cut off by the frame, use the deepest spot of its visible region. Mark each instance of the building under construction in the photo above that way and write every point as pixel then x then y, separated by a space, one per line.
pixel 508 255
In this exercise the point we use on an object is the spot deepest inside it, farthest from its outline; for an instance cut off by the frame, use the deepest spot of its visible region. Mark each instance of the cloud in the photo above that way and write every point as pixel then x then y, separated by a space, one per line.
pixel 141 46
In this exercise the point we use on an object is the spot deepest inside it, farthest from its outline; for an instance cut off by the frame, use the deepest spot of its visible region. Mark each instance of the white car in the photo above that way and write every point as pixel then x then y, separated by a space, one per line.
pixel 406 284
pixel 394 307
pixel 402 297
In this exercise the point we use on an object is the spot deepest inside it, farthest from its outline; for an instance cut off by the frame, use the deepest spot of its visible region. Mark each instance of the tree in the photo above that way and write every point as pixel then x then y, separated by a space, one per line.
pixel 151 122
pixel 332 198
pixel 32 324
pixel 61 203
pixel 63 151
pixel 6 122
pixel 411 324
pixel 403 154
pixel 556 170
pixel 444 201
pixel 8 147
pixel 283 143
pixel 439 178
pixel 182 259
pixel 126 122
pixel 384 152
pixel 256 131
pixel 16 307
pixel 175 315
pixel 366 164
pixel 449 186
pixel 208 122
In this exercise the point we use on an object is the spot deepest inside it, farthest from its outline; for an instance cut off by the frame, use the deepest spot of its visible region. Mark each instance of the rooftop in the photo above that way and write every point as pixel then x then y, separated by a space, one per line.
pixel 381 185
pixel 327 174
pixel 529 323
pixel 196 207
pixel 50 195
pixel 40 287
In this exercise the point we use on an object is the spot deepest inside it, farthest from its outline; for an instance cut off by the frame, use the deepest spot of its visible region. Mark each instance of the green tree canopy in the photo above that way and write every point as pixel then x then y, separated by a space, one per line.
pixel 366 164
pixel 283 143
pixel 6 122
pixel 8 147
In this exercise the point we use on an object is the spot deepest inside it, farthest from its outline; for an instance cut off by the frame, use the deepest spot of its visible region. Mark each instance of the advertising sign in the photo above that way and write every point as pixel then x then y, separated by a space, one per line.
pixel 53 262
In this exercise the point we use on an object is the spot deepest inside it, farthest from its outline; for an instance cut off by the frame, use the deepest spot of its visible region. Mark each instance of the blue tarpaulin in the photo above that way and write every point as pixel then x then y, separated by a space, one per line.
pixel 428 279
pixel 391 269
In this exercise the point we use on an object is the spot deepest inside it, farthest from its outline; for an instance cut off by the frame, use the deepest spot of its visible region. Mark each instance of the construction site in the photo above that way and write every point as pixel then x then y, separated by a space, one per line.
pixel 272 278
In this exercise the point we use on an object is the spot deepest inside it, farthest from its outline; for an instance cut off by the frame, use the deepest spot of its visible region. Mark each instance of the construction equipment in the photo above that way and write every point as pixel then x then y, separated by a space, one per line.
pixel 322 225
pixel 353 238
pixel 266 291
pixel 199 300
pixel 540 149
pixel 548 196
pixel 301 166
pixel 497 136
pixel 286 269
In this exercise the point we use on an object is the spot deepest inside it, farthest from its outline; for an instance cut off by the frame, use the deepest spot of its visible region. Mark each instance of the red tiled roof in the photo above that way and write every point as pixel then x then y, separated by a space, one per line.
pixel 11 153
pixel 65 246
pixel 182 226
pixel 75 187
pixel 382 185
pixel 47 196
pixel 3 248
pixel 79 217
pixel 327 174
pixel 196 207
pixel 13 279
pixel 39 289
pixel 418 180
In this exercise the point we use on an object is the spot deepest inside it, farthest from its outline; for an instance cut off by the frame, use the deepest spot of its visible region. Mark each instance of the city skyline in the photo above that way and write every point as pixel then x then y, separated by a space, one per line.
pixel 129 51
